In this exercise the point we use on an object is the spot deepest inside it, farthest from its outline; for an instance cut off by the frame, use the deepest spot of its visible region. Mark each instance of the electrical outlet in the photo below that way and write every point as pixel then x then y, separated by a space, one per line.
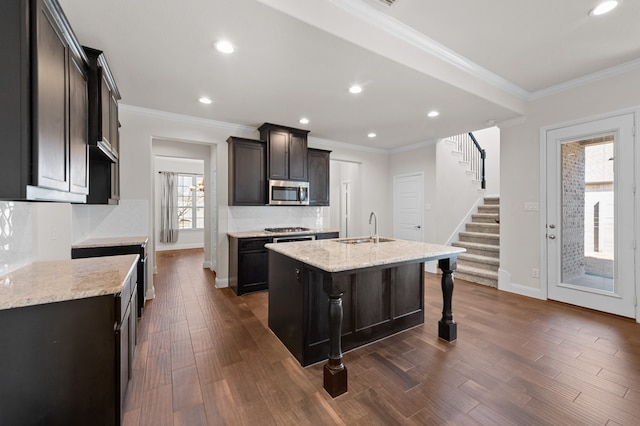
pixel 535 273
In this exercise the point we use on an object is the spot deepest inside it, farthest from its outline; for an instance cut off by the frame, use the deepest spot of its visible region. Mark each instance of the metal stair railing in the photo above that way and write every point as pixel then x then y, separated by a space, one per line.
pixel 473 154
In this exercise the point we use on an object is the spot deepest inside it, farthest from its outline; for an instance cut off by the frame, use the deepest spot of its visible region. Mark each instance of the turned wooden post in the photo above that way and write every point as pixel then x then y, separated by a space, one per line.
pixel 335 372
pixel 447 327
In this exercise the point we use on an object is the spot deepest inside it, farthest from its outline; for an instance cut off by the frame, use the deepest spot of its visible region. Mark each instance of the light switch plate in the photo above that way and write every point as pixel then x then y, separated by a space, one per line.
pixel 531 206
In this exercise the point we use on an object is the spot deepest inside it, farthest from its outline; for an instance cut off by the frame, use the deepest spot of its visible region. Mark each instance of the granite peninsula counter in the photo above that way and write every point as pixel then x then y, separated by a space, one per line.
pixel 68 333
pixel 62 280
pixel 326 295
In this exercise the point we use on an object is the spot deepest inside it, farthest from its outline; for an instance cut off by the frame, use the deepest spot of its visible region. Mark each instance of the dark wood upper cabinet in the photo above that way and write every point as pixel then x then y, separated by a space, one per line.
pixel 78 128
pixel 318 176
pixel 42 81
pixel 286 152
pixel 103 106
pixel 104 139
pixel 247 172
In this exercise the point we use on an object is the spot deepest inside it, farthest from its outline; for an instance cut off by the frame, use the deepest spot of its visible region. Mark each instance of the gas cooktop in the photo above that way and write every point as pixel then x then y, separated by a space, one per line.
pixel 287 229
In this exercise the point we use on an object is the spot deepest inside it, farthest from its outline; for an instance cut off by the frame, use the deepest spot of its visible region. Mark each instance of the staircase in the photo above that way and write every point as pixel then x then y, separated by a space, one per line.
pixel 482 240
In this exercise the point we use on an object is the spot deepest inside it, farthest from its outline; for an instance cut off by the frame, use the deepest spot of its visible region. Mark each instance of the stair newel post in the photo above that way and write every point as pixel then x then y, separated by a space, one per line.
pixel 483 156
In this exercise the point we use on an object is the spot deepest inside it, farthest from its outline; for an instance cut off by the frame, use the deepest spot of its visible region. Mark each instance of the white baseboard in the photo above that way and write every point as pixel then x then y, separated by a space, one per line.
pixel 505 284
pixel 207 264
pixel 222 283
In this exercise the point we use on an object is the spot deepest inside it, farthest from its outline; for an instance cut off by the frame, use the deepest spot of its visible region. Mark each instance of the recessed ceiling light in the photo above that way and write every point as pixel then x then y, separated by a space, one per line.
pixel 433 114
pixel 204 100
pixel 303 120
pixel 355 89
pixel 371 135
pixel 604 7
pixel 225 46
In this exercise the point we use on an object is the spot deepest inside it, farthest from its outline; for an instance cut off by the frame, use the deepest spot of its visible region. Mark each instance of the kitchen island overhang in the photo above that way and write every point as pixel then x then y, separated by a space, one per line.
pixel 343 293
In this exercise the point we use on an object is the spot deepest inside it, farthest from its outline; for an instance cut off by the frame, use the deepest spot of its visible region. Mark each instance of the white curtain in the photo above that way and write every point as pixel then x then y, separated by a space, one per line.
pixel 169 208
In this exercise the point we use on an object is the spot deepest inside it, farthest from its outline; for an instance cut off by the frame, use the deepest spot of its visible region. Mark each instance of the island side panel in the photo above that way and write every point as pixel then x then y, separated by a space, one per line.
pixel 377 302
pixel 286 302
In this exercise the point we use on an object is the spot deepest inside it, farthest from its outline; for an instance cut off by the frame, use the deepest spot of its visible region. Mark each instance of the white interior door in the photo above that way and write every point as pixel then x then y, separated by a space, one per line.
pixel 408 205
pixel 590 215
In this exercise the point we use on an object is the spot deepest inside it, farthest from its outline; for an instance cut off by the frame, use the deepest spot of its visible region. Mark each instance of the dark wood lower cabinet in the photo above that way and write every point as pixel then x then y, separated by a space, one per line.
pixel 139 249
pixel 376 302
pixel 248 262
pixel 67 363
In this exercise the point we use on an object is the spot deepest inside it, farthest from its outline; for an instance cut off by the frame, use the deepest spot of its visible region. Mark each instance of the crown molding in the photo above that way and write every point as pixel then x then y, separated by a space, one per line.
pixel 188 119
pixel 353 147
pixel 416 145
pixel 587 79
pixel 409 35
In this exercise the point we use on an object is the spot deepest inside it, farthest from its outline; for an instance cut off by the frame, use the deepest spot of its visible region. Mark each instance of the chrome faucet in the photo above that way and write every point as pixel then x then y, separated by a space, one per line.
pixel 375 235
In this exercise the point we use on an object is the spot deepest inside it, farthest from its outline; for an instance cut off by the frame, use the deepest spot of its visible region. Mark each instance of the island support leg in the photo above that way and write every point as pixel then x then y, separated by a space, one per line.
pixel 447 327
pixel 335 372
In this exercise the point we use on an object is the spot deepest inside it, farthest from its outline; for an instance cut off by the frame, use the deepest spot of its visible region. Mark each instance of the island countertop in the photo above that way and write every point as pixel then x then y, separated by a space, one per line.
pixel 336 255
pixel 60 280
pixel 263 233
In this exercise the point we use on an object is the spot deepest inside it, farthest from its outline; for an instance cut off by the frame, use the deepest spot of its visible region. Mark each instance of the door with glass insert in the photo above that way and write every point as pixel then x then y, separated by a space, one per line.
pixel 590 215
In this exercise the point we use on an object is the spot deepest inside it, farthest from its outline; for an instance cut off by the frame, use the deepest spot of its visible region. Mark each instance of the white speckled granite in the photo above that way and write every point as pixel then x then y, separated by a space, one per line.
pixel 59 280
pixel 111 242
pixel 263 233
pixel 334 256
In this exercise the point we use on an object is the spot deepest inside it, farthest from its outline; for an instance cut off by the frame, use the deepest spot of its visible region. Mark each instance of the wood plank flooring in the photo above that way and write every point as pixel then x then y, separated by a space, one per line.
pixel 207 357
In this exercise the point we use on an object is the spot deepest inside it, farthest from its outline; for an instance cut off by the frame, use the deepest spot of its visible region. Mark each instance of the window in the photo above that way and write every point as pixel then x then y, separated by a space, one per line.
pixel 190 201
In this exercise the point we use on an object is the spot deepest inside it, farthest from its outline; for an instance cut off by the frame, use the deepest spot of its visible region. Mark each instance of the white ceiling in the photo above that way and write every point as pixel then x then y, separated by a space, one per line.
pixel 474 61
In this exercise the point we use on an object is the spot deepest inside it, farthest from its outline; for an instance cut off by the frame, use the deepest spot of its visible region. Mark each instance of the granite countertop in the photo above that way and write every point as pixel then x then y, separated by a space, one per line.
pixel 59 280
pixel 112 242
pixel 263 233
pixel 335 256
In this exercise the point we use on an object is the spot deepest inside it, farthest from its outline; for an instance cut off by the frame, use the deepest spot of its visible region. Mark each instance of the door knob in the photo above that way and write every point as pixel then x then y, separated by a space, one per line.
pixel 552 226
pixel 417 226
pixel 552 237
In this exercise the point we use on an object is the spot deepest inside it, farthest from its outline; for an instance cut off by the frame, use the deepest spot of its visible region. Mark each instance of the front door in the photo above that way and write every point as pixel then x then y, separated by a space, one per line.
pixel 590 215
pixel 408 195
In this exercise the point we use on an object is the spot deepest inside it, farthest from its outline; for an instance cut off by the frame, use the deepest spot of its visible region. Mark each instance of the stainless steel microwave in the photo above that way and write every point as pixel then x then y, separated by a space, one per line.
pixel 288 193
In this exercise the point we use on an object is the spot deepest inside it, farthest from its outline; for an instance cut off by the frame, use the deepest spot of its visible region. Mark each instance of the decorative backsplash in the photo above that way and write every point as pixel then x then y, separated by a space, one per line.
pixel 16 236
pixel 255 218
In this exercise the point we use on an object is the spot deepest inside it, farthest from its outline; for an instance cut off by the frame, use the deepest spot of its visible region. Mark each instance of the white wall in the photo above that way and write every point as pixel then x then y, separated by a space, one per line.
pixel 346 171
pixel 140 127
pixel 180 158
pixel 521 232
pixel 375 191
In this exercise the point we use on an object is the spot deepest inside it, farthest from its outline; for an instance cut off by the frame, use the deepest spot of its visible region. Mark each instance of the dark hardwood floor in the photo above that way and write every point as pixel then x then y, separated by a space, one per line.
pixel 205 356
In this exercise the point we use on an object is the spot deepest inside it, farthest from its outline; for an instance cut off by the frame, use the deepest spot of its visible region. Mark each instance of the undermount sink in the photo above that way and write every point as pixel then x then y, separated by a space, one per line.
pixel 363 240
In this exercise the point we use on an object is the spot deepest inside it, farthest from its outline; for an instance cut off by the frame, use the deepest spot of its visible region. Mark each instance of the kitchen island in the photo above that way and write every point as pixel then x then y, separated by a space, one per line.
pixel 344 293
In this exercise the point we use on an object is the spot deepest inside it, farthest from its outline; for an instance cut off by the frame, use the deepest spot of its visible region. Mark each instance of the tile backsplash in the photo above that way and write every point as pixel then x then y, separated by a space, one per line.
pixel 16 235
pixel 127 219
pixel 259 217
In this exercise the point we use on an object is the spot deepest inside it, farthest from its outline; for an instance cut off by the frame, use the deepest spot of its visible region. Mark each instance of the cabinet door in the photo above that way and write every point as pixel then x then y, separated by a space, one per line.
pixel 247 175
pixel 105 102
pixel 50 101
pixel 318 177
pixel 114 131
pixel 252 271
pixel 278 155
pixel 78 128
pixel 298 157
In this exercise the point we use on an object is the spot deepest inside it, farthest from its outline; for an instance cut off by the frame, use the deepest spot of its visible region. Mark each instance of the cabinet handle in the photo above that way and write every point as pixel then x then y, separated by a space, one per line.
pixel 298 280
